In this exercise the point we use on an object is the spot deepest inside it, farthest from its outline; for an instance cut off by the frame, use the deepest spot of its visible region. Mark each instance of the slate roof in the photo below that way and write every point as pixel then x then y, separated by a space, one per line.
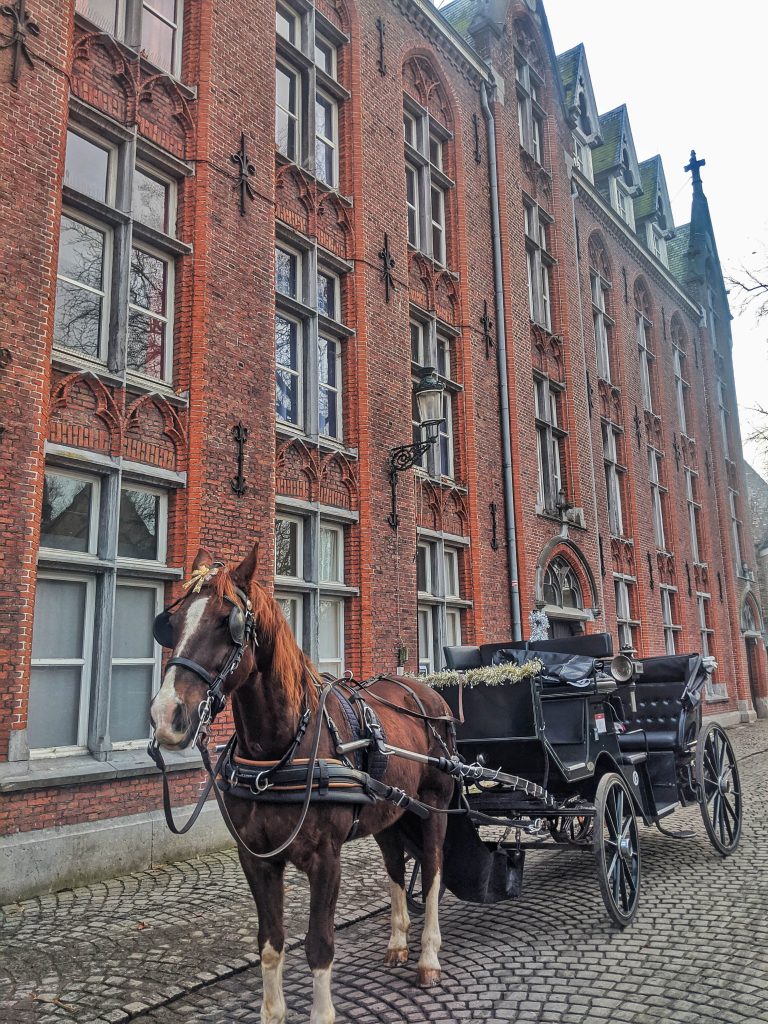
pixel 460 13
pixel 607 156
pixel 568 65
pixel 650 175
pixel 677 252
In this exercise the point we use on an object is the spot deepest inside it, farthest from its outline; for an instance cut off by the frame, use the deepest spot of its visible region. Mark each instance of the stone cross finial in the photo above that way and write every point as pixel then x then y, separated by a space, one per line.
pixel 693 166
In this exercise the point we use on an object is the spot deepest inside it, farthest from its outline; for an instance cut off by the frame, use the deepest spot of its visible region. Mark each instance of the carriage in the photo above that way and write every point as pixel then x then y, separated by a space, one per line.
pixel 574 755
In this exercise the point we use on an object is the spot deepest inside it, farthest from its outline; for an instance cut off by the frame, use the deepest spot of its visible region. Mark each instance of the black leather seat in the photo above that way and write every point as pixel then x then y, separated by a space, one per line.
pixel 639 740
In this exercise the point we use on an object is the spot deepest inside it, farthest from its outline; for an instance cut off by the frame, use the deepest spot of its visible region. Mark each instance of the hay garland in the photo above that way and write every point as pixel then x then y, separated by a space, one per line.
pixel 488 675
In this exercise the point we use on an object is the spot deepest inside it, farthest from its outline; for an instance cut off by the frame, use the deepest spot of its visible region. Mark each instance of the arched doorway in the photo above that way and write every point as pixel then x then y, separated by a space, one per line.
pixel 751 631
pixel 563 599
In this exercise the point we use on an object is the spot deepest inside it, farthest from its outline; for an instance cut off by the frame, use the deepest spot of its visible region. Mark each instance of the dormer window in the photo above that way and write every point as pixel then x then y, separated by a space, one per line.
pixel 657 243
pixel 582 155
pixel 622 202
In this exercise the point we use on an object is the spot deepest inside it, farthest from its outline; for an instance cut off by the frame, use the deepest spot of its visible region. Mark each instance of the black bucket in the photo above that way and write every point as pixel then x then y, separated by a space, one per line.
pixel 476 871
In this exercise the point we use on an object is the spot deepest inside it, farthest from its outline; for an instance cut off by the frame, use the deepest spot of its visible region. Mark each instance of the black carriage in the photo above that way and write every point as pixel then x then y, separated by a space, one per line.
pixel 575 754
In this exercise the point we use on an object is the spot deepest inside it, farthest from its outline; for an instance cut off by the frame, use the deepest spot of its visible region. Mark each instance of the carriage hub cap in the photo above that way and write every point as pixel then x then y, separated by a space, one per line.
pixel 625 848
pixel 724 785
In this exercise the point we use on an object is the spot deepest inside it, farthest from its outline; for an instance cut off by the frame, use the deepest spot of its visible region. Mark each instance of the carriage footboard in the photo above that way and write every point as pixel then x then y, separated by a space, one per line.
pixel 476 871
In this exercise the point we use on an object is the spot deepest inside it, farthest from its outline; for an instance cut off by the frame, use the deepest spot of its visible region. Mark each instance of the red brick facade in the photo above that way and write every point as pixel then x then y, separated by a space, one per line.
pixel 173 436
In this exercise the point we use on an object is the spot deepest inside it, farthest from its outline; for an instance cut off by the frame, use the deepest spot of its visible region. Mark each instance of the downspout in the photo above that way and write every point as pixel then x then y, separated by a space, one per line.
pixel 510 525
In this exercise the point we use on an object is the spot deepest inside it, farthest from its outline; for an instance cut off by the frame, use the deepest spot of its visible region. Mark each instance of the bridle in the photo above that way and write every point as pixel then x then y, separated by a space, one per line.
pixel 242 631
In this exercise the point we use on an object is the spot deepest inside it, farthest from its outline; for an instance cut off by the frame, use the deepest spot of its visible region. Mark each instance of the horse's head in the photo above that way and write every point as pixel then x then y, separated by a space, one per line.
pixel 214 639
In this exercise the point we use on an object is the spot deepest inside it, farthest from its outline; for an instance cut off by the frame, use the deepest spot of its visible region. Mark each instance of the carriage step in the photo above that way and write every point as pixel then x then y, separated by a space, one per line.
pixel 636 758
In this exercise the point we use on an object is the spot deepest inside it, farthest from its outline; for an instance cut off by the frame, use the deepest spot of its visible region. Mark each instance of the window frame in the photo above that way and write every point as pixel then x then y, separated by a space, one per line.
pixel 531 115
pixel 658 497
pixel 126 561
pixel 668 597
pixel 169 319
pixel 108 279
pixel 128 29
pixel 694 511
pixel 435 604
pixel 155 661
pixel 625 597
pixel 332 143
pixel 94 515
pixel 429 180
pixel 539 263
pixel 646 358
pixel 602 323
pixel 550 442
pixel 614 477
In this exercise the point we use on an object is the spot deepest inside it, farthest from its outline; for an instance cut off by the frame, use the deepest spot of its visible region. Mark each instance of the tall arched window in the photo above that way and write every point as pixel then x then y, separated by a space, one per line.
pixel 682 387
pixel 600 284
pixel 646 355
pixel 561 586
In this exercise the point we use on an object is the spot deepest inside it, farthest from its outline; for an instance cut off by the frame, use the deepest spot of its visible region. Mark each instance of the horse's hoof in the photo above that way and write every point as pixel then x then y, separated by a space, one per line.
pixel 429 976
pixel 396 957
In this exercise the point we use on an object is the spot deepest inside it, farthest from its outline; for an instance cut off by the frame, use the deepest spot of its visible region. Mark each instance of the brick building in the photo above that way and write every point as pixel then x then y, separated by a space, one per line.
pixel 194 272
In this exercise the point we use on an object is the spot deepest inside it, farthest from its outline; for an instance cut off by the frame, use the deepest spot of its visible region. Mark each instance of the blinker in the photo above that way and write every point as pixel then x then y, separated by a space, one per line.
pixel 161 629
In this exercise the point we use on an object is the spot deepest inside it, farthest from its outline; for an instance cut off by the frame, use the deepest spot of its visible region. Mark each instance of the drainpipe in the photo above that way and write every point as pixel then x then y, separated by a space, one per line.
pixel 501 358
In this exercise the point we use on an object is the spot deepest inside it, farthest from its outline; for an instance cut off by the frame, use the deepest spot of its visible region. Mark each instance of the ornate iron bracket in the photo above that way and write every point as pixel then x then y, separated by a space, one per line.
pixel 246 171
pixel 23 25
pixel 381 63
pixel 688 577
pixel 720 585
pixel 400 459
pixel 487 323
pixel 626 285
pixel 476 127
pixel 387 266
pixel 494 539
pixel 708 467
pixel 602 556
pixel 638 423
pixel 237 483
pixel 590 395
pixel 650 569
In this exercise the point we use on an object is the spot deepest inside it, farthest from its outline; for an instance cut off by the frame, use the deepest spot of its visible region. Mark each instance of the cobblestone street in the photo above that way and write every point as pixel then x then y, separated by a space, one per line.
pixel 178 944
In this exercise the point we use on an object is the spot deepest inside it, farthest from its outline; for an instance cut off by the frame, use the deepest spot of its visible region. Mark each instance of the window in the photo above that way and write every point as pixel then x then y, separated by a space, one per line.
pixel 582 156
pixel 307 93
pixel 682 387
pixel 530 115
pixel 705 631
pixel 625 602
pixel 736 529
pixel 309 342
pixel 669 618
pixel 94 659
pixel 657 243
pixel 158 21
pixel 622 201
pixel 431 346
pixel 602 323
pixel 694 511
pixel 614 476
pixel 550 438
pixel 310 587
pixel 426 184
pixel 99 251
pixel 658 498
pixel 539 262
pixel 646 359
pixel 561 587
pixel 724 415
pixel 438 582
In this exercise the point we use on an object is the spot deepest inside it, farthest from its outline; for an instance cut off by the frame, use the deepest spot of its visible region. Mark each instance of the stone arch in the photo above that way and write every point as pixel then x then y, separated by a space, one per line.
pixel 159 97
pixel 423 81
pixel 98 64
pixel 750 619
pixel 678 333
pixel 76 401
pixel 337 481
pixel 563 547
pixel 642 297
pixel 599 259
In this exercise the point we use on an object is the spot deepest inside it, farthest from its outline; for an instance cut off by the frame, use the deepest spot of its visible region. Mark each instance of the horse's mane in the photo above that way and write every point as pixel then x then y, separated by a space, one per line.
pixel 290 668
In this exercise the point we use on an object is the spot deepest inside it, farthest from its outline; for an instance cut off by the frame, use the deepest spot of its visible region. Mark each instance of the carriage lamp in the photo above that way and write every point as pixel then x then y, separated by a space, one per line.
pixel 428 393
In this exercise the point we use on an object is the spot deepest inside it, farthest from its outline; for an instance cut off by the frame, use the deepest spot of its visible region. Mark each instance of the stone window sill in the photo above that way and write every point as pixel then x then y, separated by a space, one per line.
pixel 80 769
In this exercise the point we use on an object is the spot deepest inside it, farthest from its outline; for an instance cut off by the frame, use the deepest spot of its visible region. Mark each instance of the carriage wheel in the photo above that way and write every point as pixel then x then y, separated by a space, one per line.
pixel 617 849
pixel 717 777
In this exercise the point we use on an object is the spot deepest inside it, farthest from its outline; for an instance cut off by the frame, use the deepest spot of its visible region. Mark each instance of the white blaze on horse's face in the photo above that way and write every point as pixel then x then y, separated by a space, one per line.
pixel 167 701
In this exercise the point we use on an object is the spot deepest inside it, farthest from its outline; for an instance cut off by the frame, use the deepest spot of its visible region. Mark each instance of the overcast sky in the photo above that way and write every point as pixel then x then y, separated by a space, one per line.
pixel 692 79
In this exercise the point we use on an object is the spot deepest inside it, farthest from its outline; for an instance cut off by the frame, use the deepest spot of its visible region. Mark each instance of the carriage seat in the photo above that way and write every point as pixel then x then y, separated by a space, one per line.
pixel 462 658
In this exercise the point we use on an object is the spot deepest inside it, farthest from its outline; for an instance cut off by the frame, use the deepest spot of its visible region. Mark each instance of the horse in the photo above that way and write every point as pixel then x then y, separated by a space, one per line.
pixel 274 689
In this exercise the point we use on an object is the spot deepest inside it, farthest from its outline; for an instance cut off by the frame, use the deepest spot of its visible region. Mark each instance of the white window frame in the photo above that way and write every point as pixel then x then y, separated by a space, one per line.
pixel 118 27
pixel 603 324
pixel 94 515
pixel 296 601
pixel 126 484
pixel 613 472
pixel 298 522
pixel 413 204
pixel 646 357
pixel 736 527
pixel 705 631
pixel 582 156
pixel 530 114
pixel 177 27
pixel 110 190
pixel 657 497
pixel 332 389
pixel 338 663
pixel 724 416
pixel 336 294
pixel 424 138
pixel 669 626
pixel 298 372
pixel 550 436
pixel 623 202
pixel 167 319
pixel 291 19
pixel 681 386
pixel 332 143
pixel 86 662
pixel 656 242
pixel 172 193
pixel 626 625
pixel 694 507
pixel 294 117
pixel 539 264
pixel 155 660
pixel 438 225
pixel 106 293
pixel 338 531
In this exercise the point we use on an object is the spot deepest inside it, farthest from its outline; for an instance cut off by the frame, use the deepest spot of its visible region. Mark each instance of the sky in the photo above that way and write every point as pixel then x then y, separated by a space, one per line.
pixel 693 78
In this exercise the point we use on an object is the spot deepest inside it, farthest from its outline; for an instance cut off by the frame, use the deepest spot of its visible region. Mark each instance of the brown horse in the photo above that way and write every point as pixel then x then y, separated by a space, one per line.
pixel 270 687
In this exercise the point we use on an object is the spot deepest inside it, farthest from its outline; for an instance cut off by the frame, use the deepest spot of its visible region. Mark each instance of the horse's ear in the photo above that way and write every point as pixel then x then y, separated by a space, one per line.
pixel 245 572
pixel 202 557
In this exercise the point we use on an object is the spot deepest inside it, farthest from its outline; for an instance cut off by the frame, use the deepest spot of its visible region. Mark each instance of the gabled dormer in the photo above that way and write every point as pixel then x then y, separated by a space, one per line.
pixel 653 213
pixel 616 170
pixel 580 107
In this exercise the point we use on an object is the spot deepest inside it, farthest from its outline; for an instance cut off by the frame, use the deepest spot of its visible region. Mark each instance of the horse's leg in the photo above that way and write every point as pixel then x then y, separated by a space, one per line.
pixel 433 836
pixel 392 850
pixel 324 877
pixel 266 882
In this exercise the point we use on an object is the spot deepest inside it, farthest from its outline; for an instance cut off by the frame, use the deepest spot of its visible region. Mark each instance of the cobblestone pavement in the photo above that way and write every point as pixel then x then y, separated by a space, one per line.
pixel 178 945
